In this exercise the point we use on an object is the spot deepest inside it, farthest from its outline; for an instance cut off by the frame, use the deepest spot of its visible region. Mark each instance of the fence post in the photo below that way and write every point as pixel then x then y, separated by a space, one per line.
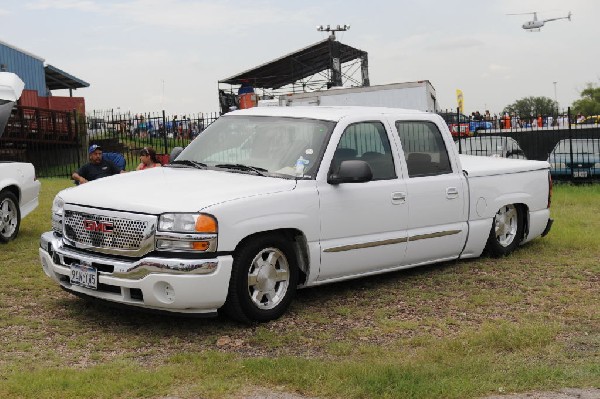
pixel 164 130
pixel 570 141
pixel 77 137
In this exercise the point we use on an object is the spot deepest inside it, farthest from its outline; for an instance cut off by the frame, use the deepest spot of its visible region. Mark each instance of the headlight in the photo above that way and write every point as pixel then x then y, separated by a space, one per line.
pixel 597 165
pixel 187 223
pixel 186 232
pixel 58 210
pixel 558 165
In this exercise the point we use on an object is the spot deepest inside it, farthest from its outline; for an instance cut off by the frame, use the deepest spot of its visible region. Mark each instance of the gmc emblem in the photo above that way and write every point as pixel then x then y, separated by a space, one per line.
pixel 99 226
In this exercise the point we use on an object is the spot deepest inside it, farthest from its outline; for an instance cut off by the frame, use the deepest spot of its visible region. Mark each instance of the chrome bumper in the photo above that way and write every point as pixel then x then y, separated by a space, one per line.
pixel 134 270
pixel 196 286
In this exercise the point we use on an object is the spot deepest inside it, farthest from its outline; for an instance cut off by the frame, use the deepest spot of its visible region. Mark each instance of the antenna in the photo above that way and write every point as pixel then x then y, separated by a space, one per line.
pixel 333 29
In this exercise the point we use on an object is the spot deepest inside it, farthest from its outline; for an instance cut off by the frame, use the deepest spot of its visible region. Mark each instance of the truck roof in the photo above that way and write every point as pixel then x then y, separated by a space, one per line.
pixel 323 112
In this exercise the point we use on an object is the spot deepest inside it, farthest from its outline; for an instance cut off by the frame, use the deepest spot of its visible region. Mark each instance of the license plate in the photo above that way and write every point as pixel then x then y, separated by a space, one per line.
pixel 85 276
pixel 580 173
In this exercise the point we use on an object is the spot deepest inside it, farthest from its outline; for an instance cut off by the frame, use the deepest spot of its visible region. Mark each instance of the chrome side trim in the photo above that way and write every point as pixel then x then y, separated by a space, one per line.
pixel 434 235
pixel 367 245
pixel 372 244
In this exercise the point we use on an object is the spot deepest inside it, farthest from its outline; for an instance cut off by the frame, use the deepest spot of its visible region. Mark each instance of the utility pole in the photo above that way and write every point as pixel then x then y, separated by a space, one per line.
pixel 555 98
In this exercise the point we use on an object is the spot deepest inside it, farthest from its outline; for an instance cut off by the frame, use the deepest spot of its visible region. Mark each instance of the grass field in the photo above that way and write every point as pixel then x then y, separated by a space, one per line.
pixel 456 330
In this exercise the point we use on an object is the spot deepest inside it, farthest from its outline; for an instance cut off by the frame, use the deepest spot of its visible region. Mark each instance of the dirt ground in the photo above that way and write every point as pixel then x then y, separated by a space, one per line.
pixel 567 393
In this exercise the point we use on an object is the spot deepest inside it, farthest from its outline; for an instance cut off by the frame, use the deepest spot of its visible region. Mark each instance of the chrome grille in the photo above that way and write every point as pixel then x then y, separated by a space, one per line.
pixel 128 234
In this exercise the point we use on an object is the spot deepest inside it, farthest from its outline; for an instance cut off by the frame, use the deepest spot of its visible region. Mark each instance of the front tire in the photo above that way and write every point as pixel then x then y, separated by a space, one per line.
pixel 10 216
pixel 506 232
pixel 263 280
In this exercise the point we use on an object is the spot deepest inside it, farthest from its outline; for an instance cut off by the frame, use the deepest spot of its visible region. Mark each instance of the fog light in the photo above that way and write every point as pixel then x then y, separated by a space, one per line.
pixel 164 292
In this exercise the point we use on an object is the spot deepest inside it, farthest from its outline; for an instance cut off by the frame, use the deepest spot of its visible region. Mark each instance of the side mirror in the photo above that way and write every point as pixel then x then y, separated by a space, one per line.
pixel 352 171
pixel 175 153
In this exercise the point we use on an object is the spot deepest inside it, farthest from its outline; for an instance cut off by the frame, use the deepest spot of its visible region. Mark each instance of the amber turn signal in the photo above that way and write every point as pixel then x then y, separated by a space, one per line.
pixel 206 224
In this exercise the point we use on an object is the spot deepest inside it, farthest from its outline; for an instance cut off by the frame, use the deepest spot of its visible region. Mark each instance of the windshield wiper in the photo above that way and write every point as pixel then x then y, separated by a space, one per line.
pixel 188 162
pixel 239 166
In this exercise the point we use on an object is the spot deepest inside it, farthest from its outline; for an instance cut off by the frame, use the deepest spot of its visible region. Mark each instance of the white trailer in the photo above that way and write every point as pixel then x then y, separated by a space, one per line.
pixel 410 95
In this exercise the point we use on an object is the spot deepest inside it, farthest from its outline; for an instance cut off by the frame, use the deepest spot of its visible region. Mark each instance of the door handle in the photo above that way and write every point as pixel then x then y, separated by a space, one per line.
pixel 451 193
pixel 398 197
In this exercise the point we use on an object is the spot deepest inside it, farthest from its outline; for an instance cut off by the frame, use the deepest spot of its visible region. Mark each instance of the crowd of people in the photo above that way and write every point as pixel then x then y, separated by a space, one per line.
pixel 98 166
pixel 512 120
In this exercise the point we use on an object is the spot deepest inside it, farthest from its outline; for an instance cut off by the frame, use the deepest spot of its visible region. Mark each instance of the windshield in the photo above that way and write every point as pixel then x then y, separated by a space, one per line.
pixel 591 146
pixel 285 147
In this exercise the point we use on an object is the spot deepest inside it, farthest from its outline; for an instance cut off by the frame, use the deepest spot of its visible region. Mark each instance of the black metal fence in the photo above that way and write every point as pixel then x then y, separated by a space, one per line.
pixel 571 143
pixel 56 142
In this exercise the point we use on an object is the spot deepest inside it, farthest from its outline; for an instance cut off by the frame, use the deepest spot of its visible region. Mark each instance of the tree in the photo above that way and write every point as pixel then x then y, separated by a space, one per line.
pixel 589 103
pixel 532 106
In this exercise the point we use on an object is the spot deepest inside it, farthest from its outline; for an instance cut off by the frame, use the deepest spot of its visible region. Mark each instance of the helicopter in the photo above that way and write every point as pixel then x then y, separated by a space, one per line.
pixel 535 25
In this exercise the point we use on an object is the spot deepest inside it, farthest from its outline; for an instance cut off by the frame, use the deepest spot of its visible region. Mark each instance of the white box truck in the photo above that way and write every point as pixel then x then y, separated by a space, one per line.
pixel 409 95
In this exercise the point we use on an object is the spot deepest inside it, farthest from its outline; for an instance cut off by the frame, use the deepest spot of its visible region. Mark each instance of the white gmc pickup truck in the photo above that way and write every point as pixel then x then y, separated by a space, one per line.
pixel 267 200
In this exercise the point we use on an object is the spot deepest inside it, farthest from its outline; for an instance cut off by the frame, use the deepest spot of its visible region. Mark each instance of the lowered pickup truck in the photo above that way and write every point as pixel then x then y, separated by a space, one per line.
pixel 267 200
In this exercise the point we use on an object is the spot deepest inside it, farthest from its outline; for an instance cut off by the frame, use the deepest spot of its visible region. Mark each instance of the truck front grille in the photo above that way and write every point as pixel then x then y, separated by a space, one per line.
pixel 104 231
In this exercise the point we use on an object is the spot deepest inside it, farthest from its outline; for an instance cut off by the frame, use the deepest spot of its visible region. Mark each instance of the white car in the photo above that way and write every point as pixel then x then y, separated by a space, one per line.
pixel 19 191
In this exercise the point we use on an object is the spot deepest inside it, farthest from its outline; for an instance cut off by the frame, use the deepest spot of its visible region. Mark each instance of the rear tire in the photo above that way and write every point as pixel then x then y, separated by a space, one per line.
pixel 263 280
pixel 10 216
pixel 506 232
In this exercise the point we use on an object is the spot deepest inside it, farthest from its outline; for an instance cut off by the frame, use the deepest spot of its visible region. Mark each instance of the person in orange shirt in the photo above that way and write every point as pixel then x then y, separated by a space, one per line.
pixel 540 121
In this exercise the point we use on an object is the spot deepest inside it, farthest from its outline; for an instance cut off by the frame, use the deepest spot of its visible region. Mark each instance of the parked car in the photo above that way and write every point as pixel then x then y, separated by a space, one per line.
pixel 491 146
pixel 585 163
pixel 270 199
pixel 19 191
pixel 591 120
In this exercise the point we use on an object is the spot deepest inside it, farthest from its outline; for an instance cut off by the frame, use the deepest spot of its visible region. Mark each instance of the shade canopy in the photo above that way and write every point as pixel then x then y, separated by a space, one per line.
pixel 57 79
pixel 295 66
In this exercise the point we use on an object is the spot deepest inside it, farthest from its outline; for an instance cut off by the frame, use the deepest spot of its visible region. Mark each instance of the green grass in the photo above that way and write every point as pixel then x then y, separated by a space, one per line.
pixel 456 330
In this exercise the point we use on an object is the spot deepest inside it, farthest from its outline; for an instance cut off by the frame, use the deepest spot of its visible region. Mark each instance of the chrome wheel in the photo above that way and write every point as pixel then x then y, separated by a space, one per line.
pixel 9 217
pixel 505 225
pixel 268 278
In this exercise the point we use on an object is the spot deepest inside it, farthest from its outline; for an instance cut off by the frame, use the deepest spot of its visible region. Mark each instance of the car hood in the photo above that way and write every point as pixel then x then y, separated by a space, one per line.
pixel 169 189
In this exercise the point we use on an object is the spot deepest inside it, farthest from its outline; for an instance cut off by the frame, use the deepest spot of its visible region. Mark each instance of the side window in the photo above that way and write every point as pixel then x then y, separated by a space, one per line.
pixel 424 148
pixel 367 141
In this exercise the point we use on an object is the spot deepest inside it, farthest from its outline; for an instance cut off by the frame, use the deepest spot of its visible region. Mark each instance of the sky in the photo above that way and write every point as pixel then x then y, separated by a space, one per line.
pixel 150 55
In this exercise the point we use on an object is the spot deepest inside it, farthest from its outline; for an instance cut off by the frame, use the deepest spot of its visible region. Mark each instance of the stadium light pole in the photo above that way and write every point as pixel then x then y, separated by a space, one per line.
pixel 555 98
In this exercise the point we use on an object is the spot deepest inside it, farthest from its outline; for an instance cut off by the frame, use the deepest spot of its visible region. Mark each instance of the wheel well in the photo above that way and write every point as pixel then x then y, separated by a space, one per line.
pixel 13 189
pixel 299 244
pixel 524 211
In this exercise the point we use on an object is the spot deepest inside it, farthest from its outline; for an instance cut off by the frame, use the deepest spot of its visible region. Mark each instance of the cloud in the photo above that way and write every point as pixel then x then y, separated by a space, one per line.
pixel 81 5
pixel 4 12
pixel 497 71
pixel 457 43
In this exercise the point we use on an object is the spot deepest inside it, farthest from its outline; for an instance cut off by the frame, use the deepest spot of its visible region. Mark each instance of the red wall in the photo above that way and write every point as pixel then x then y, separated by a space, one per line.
pixel 30 98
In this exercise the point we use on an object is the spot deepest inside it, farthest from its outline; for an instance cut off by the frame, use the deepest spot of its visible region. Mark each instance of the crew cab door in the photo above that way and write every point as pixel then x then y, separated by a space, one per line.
pixel 437 194
pixel 363 225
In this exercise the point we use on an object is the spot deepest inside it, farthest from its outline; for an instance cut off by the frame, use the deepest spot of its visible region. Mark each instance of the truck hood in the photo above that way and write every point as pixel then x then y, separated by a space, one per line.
pixel 487 166
pixel 167 189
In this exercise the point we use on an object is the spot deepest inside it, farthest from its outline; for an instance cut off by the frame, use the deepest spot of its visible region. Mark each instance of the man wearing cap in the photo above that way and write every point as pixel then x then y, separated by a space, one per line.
pixel 96 168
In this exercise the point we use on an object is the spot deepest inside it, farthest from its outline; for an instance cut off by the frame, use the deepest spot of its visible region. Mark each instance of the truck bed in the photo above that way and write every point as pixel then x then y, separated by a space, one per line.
pixel 476 166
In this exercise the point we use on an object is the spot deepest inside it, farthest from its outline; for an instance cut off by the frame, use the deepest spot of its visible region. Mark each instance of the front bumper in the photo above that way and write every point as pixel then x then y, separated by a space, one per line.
pixel 194 286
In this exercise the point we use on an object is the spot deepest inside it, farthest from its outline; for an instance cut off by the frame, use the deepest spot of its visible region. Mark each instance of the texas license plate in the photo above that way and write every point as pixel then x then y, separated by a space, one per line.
pixel 85 276
pixel 580 173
